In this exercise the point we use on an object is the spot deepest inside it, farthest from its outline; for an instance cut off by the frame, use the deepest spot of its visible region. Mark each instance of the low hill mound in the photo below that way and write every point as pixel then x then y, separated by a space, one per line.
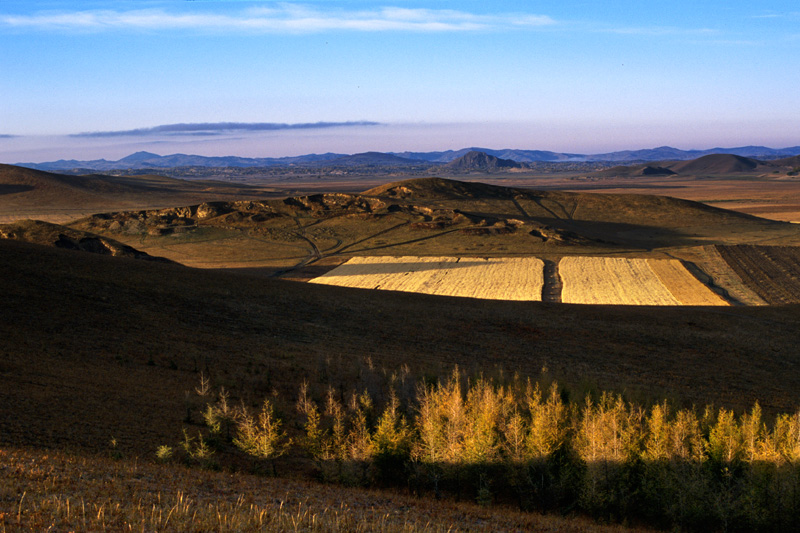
pixel 428 216
pixel 24 187
pixel 569 205
pixel 475 161
pixel 33 194
pixel 787 162
pixel 631 171
pixel 41 181
pixel 433 188
pixel 373 158
pixel 716 164
pixel 47 234
pixel 648 221
pixel 651 170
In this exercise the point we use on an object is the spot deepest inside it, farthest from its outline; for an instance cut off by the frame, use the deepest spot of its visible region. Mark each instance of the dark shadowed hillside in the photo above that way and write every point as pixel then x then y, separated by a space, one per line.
pixel 96 346
pixel 716 164
pixel 47 234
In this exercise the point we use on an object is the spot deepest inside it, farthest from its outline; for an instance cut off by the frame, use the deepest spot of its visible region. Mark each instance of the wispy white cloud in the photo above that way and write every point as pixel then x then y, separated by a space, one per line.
pixel 791 15
pixel 215 128
pixel 275 18
pixel 659 31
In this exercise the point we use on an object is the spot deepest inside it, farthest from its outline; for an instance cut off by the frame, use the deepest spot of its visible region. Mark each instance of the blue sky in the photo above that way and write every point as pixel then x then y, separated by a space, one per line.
pixel 562 76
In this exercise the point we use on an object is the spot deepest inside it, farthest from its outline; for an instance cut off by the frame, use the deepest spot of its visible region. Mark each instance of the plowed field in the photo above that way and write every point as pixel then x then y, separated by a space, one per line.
pixel 772 272
pixel 488 278
pixel 612 281
pixel 686 288
pixel 626 281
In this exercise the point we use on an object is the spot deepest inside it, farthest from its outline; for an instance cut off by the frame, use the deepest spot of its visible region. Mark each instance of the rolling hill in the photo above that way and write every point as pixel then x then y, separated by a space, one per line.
pixel 716 164
pixel 372 158
pixel 707 165
pixel 428 216
pixel 58 236
pixel 28 193
pixel 102 354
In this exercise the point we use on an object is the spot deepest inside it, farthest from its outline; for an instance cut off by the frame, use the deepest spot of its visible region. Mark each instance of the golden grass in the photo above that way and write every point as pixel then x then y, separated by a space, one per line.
pixel 488 278
pixel 44 491
pixel 612 281
pixel 686 288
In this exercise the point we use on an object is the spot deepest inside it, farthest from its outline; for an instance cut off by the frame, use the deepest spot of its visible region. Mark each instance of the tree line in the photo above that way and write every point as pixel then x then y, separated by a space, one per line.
pixel 529 444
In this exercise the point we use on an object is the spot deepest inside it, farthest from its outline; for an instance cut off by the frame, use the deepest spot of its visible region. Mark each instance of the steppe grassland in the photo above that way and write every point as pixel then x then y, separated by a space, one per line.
pixel 687 289
pixel 612 281
pixel 518 278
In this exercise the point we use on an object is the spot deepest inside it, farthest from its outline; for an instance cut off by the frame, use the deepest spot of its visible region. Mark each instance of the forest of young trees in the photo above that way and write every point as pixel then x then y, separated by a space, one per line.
pixel 527 444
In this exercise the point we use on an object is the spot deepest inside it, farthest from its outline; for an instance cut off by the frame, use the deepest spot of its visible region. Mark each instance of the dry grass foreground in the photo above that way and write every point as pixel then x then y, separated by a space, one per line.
pixel 45 490
pixel 628 281
pixel 488 278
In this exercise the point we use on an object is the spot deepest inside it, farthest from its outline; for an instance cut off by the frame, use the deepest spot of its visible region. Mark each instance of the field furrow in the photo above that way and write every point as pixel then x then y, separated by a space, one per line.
pixel 772 272
pixel 488 278
pixel 612 281
pixel 686 288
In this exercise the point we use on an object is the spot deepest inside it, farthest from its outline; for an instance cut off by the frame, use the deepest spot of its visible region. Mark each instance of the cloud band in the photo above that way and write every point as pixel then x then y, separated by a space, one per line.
pixel 215 128
pixel 278 18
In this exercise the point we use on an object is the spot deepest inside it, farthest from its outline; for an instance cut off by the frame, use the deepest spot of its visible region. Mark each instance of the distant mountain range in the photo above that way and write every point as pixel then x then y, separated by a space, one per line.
pixel 711 164
pixel 148 160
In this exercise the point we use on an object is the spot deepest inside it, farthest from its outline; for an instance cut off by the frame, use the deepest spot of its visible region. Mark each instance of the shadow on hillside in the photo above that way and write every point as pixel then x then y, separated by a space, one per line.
pixel 6 188
pixel 706 493
pixel 410 267
pixel 693 233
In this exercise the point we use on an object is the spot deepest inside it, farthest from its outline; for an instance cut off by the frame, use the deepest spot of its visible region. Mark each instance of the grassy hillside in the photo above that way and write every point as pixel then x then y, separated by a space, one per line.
pixel 96 347
pixel 28 193
pixel 428 216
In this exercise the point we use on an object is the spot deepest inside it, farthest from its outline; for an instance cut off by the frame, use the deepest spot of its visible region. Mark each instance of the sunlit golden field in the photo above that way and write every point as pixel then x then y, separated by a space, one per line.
pixel 587 280
pixel 683 286
pixel 631 281
pixel 475 277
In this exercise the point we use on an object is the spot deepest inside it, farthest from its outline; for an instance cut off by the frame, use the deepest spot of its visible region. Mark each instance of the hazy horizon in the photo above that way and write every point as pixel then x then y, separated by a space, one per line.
pixel 256 145
pixel 85 81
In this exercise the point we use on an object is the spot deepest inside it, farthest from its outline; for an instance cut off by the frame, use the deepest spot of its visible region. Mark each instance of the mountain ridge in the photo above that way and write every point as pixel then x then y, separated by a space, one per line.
pixel 149 160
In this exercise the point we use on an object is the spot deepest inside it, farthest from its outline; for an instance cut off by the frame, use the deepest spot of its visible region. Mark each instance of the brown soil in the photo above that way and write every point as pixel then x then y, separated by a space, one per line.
pixel 772 272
